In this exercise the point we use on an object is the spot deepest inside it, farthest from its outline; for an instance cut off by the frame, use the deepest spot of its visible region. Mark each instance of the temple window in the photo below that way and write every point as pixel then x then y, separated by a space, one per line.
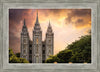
pixel 24 41
pixel 24 52
pixel 37 41
pixel 37 59
pixel 37 49
pixel 49 52
pixel 49 41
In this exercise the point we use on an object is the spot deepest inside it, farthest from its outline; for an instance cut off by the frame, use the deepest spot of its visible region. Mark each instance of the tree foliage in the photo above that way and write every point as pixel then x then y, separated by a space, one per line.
pixel 14 59
pixel 18 54
pixel 77 52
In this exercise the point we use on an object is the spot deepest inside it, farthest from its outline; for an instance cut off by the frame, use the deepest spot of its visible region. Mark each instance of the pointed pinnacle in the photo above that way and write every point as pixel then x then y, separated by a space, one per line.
pixel 37 18
pixel 49 24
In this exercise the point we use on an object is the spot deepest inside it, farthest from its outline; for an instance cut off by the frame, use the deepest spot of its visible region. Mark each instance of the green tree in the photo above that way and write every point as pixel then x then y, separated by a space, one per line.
pixel 18 54
pixel 77 52
pixel 53 59
pixel 65 55
pixel 81 50
pixel 22 60
pixel 14 59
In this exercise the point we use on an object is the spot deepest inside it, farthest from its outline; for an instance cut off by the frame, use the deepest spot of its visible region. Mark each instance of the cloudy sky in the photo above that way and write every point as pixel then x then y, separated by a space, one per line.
pixel 67 24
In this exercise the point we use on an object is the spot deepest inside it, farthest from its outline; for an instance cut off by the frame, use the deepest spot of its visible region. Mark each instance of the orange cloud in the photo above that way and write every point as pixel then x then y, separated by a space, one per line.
pixel 68 25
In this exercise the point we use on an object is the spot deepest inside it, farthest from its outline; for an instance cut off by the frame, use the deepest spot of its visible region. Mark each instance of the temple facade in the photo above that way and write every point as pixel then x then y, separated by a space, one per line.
pixel 36 50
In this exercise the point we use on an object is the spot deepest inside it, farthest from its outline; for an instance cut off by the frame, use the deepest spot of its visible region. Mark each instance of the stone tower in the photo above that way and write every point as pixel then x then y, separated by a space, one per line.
pixel 36 51
pixel 49 41
pixel 24 42
pixel 37 43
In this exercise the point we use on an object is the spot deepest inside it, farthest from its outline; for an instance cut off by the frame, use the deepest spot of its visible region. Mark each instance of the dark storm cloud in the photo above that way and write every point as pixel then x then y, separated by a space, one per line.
pixel 81 12
pixel 68 20
pixel 79 21
pixel 17 14
pixel 78 17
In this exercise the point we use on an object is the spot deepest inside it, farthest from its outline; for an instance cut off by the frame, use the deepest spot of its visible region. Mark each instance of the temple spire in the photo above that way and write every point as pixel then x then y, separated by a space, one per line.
pixel 49 29
pixel 37 25
pixel 37 18
pixel 49 22
pixel 24 24
pixel 24 29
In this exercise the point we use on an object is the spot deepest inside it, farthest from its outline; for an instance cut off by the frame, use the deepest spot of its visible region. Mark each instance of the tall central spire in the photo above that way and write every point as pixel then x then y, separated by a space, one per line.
pixel 24 24
pixel 37 18
pixel 37 25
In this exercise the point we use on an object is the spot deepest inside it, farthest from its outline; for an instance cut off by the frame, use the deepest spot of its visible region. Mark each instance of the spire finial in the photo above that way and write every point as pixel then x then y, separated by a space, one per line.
pixel 49 23
pixel 37 25
pixel 37 12
pixel 49 29
pixel 37 17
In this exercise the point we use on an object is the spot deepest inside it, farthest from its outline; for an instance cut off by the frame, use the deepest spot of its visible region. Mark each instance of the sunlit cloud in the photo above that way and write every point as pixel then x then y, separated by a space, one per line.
pixel 67 24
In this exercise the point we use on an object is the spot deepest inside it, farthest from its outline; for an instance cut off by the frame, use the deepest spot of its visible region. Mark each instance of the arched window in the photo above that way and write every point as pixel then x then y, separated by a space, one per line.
pixel 24 52
pixel 24 46
pixel 49 52
pixel 37 49
pixel 49 41
pixel 37 59
pixel 37 41
pixel 25 40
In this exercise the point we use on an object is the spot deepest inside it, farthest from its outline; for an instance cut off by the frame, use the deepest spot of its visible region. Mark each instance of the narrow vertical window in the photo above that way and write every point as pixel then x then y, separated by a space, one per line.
pixel 49 52
pixel 49 41
pixel 24 52
pixel 37 49
pixel 37 41
pixel 24 41
pixel 37 59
